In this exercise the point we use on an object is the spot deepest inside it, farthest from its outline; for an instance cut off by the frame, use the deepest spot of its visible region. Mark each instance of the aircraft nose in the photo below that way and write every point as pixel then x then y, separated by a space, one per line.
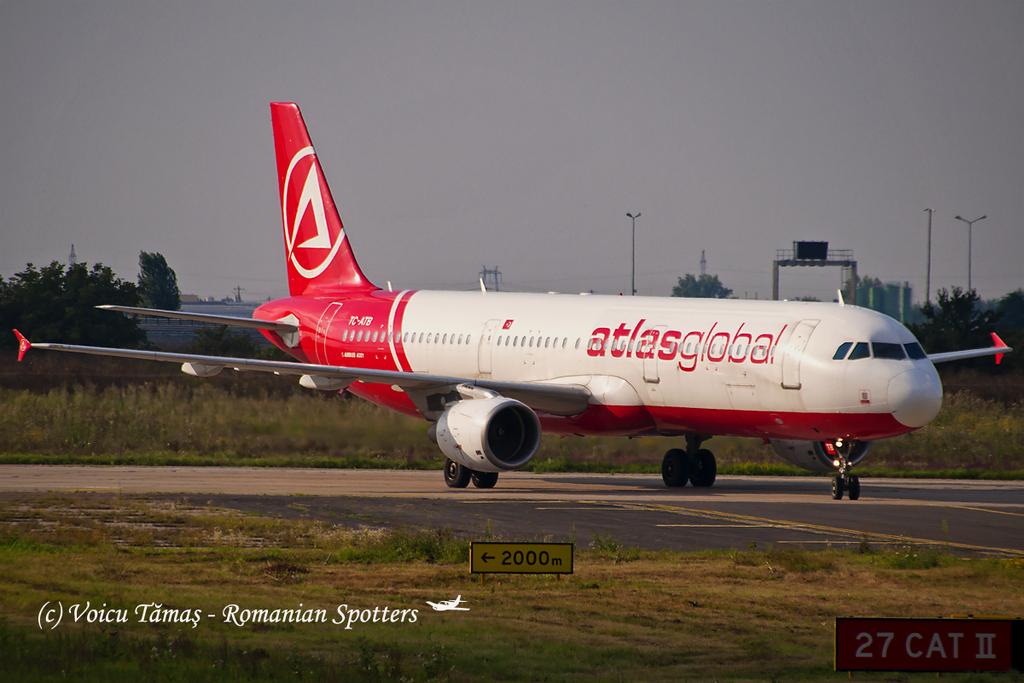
pixel 915 396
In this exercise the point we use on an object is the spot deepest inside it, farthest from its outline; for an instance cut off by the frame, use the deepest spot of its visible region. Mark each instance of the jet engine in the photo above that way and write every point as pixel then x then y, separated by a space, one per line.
pixel 488 434
pixel 819 456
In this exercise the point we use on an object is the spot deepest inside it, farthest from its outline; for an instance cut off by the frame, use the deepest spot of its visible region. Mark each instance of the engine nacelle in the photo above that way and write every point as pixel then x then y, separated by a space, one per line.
pixel 811 455
pixel 489 434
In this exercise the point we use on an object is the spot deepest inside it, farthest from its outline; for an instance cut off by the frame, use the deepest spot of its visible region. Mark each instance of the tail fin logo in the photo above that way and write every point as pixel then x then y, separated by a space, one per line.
pixel 304 217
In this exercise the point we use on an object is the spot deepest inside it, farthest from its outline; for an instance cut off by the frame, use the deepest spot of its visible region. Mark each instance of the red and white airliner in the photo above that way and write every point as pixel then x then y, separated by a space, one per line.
pixel 491 370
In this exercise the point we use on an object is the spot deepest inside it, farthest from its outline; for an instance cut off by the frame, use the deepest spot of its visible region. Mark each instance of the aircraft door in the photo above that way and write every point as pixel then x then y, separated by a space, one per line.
pixel 323 326
pixel 650 359
pixel 486 347
pixel 793 351
pixel 652 375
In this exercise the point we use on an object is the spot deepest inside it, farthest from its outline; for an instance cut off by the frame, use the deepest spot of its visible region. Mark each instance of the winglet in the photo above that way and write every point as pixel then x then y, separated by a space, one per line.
pixel 23 345
pixel 1000 343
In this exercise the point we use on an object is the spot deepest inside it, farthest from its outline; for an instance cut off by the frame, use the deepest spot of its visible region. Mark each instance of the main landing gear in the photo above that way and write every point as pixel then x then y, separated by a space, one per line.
pixel 458 476
pixel 696 465
pixel 844 481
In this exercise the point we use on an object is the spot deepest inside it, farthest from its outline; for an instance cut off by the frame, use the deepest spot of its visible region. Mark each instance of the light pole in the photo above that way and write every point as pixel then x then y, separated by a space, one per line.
pixel 632 279
pixel 970 231
pixel 928 269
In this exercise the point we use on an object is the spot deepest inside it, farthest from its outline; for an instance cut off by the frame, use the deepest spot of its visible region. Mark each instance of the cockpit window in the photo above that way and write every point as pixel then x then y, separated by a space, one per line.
pixel 860 350
pixel 841 352
pixel 887 351
pixel 915 351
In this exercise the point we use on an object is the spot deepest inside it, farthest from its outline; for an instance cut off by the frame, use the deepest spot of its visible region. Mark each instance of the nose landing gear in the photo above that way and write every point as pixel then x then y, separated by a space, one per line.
pixel 844 481
pixel 846 484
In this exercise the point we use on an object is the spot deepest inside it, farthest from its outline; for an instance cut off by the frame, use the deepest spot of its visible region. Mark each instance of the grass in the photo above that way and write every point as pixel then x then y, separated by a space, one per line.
pixel 59 408
pixel 626 614
pixel 201 423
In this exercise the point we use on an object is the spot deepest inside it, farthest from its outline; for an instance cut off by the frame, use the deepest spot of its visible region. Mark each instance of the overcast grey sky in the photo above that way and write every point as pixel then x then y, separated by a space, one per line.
pixel 518 134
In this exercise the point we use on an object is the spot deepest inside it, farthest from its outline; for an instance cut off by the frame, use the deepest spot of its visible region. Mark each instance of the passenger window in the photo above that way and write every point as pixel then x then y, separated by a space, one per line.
pixel 887 351
pixel 444 339
pixel 515 341
pixel 468 337
pixel 564 341
pixel 577 342
pixel 421 338
pixel 861 350
pixel 841 352
pixel 915 351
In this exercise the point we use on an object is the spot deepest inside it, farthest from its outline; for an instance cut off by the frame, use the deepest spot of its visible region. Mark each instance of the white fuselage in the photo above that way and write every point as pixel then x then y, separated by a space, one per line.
pixel 756 368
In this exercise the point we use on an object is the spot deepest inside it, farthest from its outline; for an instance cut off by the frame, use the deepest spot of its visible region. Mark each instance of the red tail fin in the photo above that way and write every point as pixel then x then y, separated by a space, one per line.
pixel 318 255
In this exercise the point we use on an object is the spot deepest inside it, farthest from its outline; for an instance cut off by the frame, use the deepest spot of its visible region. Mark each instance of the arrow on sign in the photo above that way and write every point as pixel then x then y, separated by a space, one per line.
pixel 487 557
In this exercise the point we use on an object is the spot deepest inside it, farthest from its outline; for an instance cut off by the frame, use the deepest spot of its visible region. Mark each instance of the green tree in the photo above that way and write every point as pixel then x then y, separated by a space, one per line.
pixel 54 303
pixel 158 284
pixel 1011 310
pixel 956 321
pixel 702 287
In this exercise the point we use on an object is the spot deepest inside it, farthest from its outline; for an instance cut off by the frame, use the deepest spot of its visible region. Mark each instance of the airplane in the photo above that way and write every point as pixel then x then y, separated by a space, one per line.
pixel 449 605
pixel 491 370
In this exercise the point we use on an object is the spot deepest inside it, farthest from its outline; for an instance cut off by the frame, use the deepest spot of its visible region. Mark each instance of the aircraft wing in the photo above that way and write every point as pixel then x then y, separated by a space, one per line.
pixel 998 348
pixel 282 327
pixel 429 392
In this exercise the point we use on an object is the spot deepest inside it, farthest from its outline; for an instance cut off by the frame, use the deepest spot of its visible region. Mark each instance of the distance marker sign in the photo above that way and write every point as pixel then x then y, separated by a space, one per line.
pixel 486 557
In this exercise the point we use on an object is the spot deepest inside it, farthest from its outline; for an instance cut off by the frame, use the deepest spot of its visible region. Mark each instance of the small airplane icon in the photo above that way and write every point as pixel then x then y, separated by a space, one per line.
pixel 448 605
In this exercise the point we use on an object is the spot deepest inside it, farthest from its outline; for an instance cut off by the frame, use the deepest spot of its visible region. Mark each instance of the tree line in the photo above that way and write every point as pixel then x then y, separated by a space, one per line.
pixel 58 303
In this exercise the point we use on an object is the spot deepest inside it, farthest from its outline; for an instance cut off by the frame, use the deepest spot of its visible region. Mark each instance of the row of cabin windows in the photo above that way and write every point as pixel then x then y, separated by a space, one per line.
pixel 454 339
pixel 406 337
pixel 735 350
pixel 536 342
pixel 885 350
pixel 523 341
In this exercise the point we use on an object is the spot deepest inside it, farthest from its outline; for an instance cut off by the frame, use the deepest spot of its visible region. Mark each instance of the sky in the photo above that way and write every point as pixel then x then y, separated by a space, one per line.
pixel 518 134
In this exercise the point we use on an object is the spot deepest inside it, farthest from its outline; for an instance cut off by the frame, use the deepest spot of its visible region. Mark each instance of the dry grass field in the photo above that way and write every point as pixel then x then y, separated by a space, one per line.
pixel 625 614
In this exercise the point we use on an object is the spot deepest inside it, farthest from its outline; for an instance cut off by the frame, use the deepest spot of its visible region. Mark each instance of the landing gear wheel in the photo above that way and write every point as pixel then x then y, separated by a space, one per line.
pixel 485 480
pixel 838 488
pixel 456 476
pixel 853 487
pixel 703 468
pixel 675 468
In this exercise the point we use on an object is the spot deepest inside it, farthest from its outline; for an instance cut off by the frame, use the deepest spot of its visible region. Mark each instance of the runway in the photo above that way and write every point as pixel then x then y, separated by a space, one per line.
pixel 973 517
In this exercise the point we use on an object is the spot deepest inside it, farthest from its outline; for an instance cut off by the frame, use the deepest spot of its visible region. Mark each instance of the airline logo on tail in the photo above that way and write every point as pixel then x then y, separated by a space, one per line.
pixel 310 245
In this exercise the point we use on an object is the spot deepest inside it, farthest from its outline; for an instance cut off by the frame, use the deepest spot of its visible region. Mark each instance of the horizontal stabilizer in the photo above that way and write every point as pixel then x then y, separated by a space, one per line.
pixel 233 321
